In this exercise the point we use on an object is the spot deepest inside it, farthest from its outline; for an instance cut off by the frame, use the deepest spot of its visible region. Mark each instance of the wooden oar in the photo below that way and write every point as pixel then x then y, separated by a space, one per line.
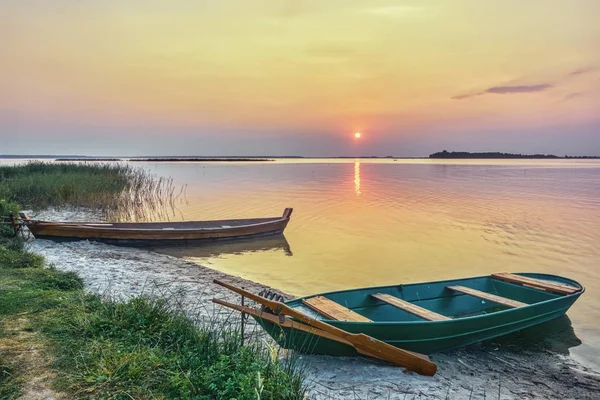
pixel 283 321
pixel 288 323
pixel 363 344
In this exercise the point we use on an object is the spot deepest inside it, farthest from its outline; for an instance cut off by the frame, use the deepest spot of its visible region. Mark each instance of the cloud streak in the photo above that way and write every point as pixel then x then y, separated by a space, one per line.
pixel 515 89
pixel 573 95
pixel 519 89
pixel 507 90
pixel 582 71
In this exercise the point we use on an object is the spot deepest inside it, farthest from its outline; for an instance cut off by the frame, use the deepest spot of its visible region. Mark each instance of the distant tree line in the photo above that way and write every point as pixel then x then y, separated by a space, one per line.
pixel 466 154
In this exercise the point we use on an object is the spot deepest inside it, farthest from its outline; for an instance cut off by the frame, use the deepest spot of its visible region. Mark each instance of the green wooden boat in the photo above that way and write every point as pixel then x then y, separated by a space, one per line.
pixel 433 316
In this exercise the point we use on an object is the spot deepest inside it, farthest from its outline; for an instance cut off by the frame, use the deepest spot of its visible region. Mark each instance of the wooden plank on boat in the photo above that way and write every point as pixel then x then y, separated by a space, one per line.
pixel 333 310
pixel 285 322
pixel 488 296
pixel 536 283
pixel 410 307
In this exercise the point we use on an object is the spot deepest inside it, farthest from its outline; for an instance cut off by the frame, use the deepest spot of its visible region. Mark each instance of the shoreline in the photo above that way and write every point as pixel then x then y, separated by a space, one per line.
pixel 86 322
pixel 129 271
pixel 522 367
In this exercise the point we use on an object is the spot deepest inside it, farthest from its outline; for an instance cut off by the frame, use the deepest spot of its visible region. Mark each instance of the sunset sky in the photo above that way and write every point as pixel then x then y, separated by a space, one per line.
pixel 275 77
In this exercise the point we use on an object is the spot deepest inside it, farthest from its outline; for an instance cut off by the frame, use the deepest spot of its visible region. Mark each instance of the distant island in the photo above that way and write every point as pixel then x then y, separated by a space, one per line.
pixel 466 154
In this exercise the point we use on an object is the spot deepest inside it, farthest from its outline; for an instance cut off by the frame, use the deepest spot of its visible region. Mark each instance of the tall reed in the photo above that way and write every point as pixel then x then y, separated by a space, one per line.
pixel 119 192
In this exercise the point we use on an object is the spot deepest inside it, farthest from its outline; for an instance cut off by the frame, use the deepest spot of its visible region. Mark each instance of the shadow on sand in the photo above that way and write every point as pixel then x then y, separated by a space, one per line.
pixel 556 336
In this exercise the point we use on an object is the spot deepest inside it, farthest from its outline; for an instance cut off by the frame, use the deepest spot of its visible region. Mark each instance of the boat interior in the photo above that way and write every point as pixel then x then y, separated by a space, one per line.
pixel 226 223
pixel 437 301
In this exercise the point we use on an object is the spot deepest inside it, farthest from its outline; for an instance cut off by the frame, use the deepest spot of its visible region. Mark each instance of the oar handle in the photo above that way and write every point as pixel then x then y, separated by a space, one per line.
pixel 281 308
pixel 362 343
pixel 282 321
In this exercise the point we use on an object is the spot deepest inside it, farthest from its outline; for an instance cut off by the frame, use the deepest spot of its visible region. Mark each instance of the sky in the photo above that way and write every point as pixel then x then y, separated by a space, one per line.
pixel 299 77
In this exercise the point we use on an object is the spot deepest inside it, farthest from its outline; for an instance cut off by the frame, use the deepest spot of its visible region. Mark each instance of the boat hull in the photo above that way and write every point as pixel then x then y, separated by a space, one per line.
pixel 153 234
pixel 429 337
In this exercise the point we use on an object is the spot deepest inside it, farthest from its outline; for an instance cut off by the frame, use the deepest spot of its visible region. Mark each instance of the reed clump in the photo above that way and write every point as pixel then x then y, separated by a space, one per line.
pixel 119 192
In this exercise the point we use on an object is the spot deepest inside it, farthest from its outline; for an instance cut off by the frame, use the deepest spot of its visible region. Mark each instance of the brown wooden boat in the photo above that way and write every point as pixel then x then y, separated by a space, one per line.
pixel 154 233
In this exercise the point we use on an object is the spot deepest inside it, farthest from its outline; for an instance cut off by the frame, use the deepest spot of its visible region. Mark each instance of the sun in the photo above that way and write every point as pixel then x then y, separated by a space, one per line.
pixel 357 135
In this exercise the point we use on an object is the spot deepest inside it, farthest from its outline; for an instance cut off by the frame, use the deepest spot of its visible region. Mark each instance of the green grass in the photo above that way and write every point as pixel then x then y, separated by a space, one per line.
pixel 10 388
pixel 12 256
pixel 27 291
pixel 104 349
pixel 143 348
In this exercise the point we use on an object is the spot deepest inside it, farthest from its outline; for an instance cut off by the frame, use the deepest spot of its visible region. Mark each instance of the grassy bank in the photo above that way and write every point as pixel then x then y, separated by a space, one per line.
pixel 139 349
pixel 118 191
pixel 85 346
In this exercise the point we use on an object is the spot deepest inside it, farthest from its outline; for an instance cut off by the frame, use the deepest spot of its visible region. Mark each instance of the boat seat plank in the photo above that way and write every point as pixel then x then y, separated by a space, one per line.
pixel 551 287
pixel 333 310
pixel 488 296
pixel 410 307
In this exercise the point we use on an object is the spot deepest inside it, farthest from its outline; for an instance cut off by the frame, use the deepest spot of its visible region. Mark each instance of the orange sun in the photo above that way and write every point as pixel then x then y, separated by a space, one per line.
pixel 357 135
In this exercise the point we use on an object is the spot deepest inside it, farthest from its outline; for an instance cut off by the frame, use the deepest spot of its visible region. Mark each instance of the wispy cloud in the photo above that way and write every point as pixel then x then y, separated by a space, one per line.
pixel 507 90
pixel 582 71
pixel 466 96
pixel 572 95
pixel 515 89
pixel 519 89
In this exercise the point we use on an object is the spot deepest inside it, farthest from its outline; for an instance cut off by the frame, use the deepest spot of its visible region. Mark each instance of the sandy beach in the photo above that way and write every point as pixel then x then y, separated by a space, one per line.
pixel 534 364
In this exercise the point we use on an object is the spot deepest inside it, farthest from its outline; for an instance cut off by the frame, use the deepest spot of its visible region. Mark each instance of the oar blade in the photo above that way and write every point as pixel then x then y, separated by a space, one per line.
pixel 368 345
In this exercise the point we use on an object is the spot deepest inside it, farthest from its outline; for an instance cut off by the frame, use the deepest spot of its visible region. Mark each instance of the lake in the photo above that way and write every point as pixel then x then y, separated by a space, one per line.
pixel 369 222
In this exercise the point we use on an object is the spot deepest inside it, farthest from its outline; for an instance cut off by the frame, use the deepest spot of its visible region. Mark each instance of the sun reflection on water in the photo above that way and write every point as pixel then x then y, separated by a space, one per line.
pixel 357 178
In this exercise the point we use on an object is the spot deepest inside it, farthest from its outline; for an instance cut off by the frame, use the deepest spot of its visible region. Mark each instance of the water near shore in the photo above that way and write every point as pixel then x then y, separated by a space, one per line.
pixel 369 222
pixel 377 222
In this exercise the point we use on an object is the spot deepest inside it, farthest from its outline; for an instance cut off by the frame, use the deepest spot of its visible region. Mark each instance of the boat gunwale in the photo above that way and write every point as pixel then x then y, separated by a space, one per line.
pixel 99 226
pixel 452 320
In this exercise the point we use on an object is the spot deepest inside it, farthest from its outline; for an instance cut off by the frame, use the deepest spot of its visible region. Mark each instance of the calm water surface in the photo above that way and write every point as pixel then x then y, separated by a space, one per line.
pixel 380 222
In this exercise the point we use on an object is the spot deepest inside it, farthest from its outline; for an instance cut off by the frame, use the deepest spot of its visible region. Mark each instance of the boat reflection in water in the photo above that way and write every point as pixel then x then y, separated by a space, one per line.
pixel 216 249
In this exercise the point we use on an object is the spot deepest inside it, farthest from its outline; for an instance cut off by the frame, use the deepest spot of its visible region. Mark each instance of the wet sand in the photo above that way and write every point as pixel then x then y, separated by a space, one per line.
pixel 532 364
